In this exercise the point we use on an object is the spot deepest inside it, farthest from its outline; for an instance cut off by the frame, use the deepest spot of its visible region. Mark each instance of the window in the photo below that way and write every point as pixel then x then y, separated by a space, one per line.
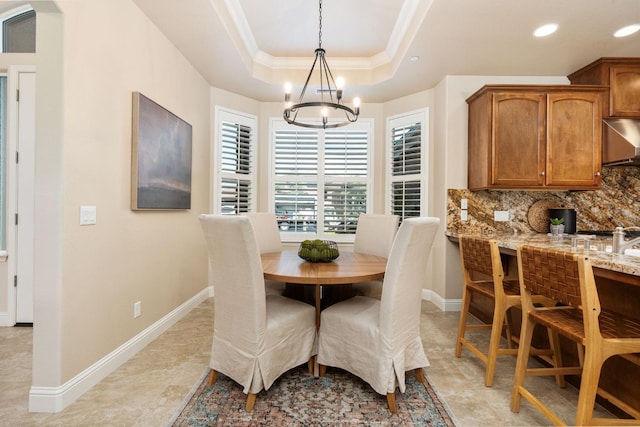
pixel 319 179
pixel 235 171
pixel 407 170
pixel 19 30
pixel 3 162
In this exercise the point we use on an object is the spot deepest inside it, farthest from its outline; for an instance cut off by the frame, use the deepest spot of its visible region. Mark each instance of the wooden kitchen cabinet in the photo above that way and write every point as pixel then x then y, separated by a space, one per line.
pixel 535 137
pixel 621 76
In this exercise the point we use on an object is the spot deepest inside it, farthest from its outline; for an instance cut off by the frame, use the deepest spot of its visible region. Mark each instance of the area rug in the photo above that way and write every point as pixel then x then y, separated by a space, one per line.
pixel 297 399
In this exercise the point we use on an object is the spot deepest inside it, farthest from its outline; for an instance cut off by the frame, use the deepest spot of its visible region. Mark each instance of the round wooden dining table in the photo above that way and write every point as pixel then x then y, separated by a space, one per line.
pixel 348 268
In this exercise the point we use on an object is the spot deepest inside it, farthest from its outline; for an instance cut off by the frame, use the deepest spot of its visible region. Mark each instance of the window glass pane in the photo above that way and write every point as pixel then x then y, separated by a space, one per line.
pixel 344 201
pixel 405 198
pixel 236 148
pixel 296 152
pixel 296 206
pixel 235 197
pixel 19 33
pixel 3 161
pixel 346 153
pixel 406 149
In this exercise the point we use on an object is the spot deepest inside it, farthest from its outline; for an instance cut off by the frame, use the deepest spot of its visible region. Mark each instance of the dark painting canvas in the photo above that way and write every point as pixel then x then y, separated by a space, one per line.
pixel 161 157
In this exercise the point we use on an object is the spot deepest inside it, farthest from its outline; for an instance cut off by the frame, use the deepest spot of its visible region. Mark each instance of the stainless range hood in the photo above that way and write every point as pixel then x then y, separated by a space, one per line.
pixel 621 145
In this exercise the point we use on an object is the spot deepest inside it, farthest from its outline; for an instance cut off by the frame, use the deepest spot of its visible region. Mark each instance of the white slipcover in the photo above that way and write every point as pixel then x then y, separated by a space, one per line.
pixel 256 338
pixel 379 340
pixel 375 234
pixel 265 227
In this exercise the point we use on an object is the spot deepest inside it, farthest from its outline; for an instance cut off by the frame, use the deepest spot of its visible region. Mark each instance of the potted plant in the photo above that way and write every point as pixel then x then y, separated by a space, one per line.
pixel 557 225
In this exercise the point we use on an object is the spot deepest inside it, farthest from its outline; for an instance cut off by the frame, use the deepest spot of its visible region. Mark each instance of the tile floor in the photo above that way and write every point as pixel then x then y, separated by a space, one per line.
pixel 149 388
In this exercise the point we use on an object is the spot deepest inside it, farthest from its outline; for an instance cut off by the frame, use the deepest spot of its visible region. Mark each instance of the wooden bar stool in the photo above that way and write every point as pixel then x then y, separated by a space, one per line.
pixel 568 278
pixel 481 256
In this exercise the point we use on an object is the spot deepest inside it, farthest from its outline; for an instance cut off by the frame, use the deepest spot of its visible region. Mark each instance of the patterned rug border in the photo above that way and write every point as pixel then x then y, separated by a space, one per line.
pixel 439 402
pixel 188 397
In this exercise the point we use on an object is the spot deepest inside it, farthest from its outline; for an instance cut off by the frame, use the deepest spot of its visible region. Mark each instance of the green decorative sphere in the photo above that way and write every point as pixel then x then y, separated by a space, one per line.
pixel 318 250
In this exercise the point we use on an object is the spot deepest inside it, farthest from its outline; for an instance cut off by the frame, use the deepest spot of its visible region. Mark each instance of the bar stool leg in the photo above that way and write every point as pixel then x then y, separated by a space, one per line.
pixel 462 323
pixel 494 341
pixel 589 384
pixel 526 334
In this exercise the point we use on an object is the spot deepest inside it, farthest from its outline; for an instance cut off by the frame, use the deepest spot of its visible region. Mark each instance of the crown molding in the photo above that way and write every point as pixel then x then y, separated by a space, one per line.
pixel 378 67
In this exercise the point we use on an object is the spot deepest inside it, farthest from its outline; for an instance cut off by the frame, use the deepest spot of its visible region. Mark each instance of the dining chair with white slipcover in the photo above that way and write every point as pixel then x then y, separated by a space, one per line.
pixel 265 227
pixel 256 337
pixel 374 235
pixel 379 340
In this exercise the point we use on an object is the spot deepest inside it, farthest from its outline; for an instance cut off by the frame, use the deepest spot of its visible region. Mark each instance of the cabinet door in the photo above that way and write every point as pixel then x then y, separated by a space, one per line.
pixel 574 140
pixel 518 149
pixel 625 91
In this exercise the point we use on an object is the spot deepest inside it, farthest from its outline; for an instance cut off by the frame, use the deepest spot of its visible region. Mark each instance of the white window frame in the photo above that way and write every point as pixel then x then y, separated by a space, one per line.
pixel 8 15
pixel 404 119
pixel 223 114
pixel 366 125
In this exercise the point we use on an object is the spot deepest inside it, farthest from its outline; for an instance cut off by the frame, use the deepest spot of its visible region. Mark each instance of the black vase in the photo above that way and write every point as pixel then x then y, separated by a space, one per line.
pixel 569 216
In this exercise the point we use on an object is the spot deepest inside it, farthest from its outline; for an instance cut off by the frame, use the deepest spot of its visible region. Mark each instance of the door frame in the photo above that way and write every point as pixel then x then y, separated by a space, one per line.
pixel 11 188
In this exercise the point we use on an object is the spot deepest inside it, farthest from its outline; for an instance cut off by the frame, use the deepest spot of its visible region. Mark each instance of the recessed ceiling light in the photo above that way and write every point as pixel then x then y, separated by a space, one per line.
pixel 545 30
pixel 627 31
pixel 414 58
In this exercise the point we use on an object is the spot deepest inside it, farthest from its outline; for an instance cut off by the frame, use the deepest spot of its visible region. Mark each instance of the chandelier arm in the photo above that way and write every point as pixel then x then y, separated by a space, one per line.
pixel 306 83
pixel 328 78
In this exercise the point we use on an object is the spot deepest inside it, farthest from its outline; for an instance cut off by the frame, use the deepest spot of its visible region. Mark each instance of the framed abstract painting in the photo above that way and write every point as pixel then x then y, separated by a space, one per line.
pixel 160 158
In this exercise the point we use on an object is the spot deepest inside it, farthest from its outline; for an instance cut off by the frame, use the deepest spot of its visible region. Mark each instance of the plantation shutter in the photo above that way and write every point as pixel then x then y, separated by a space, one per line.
pixel 320 179
pixel 407 172
pixel 345 188
pixel 406 149
pixel 296 188
pixel 236 162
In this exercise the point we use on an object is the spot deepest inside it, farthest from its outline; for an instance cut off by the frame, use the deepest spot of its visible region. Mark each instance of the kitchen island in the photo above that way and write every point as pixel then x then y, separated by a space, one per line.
pixel 618 281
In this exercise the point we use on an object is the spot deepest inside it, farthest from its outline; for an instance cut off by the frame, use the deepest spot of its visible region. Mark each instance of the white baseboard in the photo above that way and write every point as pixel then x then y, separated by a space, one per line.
pixel 441 303
pixel 4 319
pixel 55 399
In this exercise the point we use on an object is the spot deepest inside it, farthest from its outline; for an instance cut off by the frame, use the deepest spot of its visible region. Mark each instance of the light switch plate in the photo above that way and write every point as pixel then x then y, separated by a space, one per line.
pixel 463 215
pixel 87 215
pixel 464 203
pixel 500 216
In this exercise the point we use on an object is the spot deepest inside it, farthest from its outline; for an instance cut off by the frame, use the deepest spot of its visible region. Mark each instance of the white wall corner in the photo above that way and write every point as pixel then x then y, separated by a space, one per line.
pixel 441 303
pixel 55 399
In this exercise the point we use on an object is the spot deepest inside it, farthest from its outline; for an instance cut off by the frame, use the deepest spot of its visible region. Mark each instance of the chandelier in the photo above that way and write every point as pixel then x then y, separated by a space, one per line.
pixel 330 95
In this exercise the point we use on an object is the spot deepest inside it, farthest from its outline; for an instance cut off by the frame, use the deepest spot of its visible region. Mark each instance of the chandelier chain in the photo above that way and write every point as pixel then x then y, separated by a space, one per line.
pixel 320 26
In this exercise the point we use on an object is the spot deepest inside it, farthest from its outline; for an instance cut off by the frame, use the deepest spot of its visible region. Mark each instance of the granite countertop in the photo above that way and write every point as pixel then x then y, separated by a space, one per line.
pixel 603 259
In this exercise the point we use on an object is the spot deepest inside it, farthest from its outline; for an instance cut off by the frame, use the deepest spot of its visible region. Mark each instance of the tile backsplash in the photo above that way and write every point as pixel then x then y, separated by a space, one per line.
pixel 617 203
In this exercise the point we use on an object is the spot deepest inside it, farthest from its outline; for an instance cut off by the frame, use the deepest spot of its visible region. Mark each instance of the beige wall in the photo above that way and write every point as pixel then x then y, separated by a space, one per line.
pixel 88 277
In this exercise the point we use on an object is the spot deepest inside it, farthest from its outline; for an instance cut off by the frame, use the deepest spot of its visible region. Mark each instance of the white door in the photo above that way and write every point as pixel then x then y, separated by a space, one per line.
pixel 25 171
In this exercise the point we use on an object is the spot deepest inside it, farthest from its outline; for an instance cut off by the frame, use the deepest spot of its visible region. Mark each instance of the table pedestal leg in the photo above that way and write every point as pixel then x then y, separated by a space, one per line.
pixel 316 367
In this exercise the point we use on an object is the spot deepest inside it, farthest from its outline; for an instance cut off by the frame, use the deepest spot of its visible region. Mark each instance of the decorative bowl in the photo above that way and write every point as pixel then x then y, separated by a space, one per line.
pixel 318 250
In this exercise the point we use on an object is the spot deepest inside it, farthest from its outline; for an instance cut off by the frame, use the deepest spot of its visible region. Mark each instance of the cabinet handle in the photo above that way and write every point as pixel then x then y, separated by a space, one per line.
pixel 598 174
pixel 542 173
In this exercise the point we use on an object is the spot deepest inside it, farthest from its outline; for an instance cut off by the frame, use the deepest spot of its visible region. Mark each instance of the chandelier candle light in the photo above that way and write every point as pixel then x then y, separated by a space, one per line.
pixel 330 95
